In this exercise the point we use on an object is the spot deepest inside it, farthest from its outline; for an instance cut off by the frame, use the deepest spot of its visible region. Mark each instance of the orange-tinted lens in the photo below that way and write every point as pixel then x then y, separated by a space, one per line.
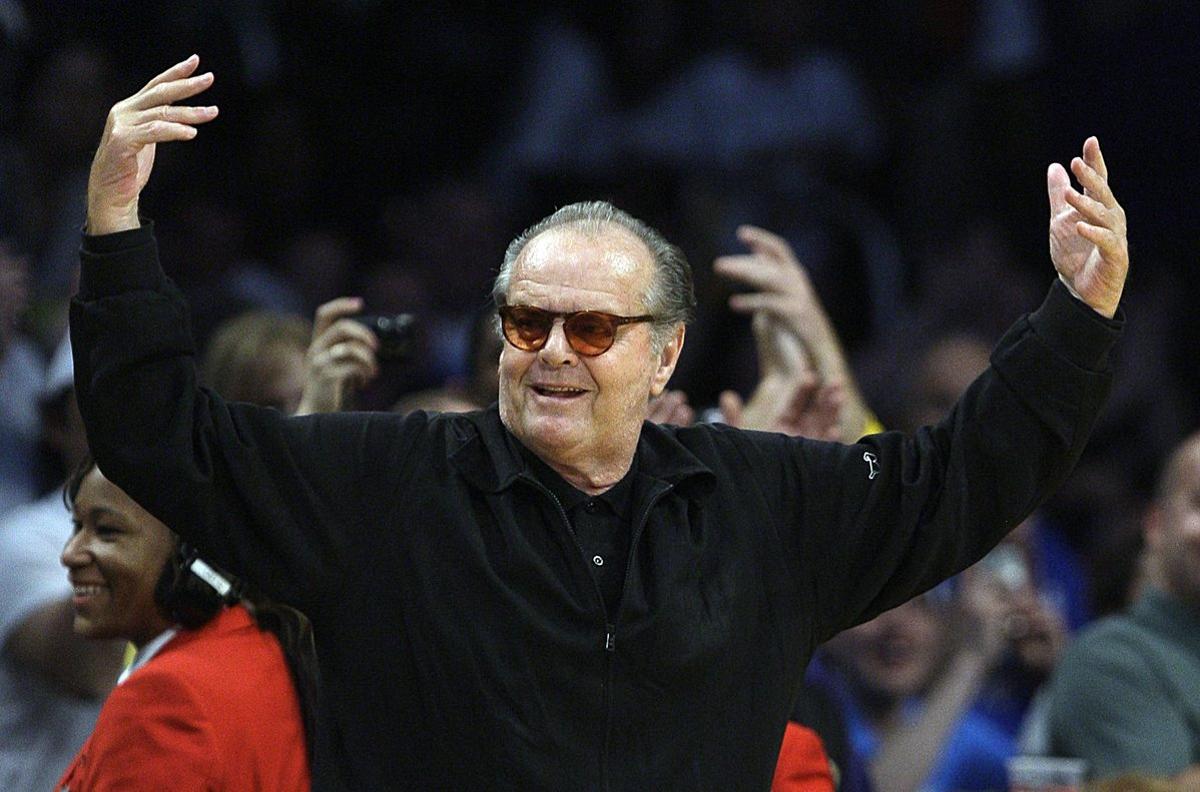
pixel 526 328
pixel 590 332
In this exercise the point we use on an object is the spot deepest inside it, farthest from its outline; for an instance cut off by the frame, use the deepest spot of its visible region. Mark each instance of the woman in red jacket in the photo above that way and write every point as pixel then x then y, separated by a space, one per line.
pixel 221 692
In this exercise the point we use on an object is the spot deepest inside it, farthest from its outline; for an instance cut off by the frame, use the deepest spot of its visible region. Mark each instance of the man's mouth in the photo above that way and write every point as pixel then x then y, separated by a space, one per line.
pixel 558 391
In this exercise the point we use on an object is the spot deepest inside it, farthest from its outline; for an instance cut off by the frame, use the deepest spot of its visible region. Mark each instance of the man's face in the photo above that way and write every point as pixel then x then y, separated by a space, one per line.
pixel 567 408
pixel 1174 531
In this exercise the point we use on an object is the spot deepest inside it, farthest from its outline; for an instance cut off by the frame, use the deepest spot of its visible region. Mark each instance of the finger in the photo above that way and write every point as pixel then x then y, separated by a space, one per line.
pixel 730 405
pixel 175 114
pixel 1094 184
pixel 330 312
pixel 1057 182
pixel 1088 208
pixel 170 92
pixel 160 132
pixel 754 271
pixel 761 240
pixel 341 362
pixel 1109 242
pixel 176 72
pixel 353 351
pixel 346 330
pixel 777 305
pixel 1093 156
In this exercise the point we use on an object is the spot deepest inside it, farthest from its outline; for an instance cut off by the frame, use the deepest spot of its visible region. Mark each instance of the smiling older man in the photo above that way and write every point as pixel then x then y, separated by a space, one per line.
pixel 555 594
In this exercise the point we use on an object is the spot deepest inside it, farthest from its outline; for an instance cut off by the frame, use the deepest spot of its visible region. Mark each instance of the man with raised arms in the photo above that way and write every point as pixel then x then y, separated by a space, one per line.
pixel 553 593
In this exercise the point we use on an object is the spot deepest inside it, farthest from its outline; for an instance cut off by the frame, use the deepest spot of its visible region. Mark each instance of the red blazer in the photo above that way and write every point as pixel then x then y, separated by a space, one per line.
pixel 803 765
pixel 215 709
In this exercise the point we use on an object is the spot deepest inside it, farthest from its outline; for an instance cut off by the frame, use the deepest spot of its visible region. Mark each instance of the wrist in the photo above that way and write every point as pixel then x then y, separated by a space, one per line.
pixel 112 220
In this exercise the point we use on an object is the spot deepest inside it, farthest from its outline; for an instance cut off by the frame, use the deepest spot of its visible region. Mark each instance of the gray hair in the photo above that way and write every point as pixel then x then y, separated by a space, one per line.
pixel 670 298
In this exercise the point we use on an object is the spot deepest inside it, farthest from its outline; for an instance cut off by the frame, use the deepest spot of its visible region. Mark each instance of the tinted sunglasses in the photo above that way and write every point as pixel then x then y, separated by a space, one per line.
pixel 589 333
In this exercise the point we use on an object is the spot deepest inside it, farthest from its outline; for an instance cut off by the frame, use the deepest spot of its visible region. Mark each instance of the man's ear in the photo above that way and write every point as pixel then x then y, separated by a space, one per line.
pixel 667 360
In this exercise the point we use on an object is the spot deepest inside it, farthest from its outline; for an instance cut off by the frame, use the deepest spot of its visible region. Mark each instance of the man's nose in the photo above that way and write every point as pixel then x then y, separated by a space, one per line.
pixel 557 351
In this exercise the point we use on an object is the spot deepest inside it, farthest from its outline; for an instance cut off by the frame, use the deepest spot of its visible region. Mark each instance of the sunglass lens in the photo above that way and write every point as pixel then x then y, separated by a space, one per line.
pixel 527 328
pixel 590 333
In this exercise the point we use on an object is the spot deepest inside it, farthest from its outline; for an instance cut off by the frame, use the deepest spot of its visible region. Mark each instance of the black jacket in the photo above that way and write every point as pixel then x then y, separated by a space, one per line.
pixel 464 643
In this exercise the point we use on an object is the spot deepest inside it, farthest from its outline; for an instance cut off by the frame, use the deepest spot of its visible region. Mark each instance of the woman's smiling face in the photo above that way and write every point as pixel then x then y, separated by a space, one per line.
pixel 114 559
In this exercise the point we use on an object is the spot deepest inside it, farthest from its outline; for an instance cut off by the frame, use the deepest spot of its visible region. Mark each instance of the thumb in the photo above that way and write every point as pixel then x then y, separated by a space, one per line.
pixel 330 312
pixel 1057 183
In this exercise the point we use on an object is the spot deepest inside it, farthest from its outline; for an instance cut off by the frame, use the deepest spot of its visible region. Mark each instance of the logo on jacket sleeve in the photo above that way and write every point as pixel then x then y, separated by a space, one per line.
pixel 872 464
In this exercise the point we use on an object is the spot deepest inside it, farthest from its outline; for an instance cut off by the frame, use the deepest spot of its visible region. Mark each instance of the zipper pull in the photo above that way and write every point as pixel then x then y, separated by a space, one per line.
pixel 610 639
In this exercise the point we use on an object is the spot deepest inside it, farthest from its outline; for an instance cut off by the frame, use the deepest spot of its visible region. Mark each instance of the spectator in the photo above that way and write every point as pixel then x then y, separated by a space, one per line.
pixel 220 694
pixel 275 360
pixel 258 357
pixel 1126 696
pixel 915 671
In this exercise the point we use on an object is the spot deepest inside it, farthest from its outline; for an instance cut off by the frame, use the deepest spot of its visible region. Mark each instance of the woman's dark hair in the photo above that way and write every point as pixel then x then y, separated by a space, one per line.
pixel 189 600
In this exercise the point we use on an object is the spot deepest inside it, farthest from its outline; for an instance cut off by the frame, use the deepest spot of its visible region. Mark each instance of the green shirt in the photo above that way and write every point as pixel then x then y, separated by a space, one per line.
pixel 1126 696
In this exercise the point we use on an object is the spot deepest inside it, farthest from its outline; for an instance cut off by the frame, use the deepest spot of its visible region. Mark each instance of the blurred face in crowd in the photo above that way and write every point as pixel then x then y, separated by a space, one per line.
pixel 1173 526
pixel 896 654
pixel 114 559
pixel 280 383
pixel 570 408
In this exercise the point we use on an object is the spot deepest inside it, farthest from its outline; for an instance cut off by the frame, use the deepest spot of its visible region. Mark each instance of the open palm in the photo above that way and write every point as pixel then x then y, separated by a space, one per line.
pixel 134 127
pixel 1088 238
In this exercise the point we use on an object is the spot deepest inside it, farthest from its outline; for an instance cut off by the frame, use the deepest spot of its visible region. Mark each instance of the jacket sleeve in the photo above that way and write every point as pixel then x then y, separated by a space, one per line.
pixel 878 522
pixel 271 498
pixel 151 734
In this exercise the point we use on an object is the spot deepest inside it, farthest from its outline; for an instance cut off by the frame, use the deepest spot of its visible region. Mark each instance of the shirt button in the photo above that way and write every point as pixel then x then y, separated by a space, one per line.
pixel 597 560
pixel 590 506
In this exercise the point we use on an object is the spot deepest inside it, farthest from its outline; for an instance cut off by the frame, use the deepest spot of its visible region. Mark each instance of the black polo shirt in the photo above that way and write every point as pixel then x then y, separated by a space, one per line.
pixel 602 525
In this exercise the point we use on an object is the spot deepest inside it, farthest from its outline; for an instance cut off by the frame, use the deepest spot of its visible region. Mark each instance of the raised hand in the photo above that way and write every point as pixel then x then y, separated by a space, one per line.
pixel 788 319
pixel 134 127
pixel 805 378
pixel 1088 240
pixel 813 409
pixel 340 358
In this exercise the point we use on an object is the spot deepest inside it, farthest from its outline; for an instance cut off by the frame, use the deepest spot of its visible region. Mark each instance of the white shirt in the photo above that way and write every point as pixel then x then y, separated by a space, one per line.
pixel 41 728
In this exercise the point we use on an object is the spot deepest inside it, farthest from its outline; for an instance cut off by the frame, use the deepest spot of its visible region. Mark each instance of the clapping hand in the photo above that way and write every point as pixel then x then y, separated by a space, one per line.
pixel 806 387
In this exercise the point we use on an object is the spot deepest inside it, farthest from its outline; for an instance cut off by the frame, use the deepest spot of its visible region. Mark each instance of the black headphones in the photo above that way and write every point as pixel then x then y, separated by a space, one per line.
pixel 190 591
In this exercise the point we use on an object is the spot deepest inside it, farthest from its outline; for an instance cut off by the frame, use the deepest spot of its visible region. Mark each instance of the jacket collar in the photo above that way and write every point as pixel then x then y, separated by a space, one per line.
pixel 489 456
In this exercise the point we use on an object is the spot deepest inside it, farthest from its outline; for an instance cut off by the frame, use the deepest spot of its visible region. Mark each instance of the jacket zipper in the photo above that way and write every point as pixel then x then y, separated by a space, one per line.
pixel 610 640
pixel 610 630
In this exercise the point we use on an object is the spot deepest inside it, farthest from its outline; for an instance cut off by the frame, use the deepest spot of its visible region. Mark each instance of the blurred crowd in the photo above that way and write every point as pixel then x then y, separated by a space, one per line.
pixel 390 151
